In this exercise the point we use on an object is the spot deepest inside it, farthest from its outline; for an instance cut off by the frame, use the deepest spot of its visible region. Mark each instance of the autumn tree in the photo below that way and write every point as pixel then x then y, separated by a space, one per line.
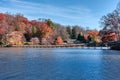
pixel 19 23
pixel 44 31
pixel 2 17
pixel 110 37
pixel 30 29
pixel 50 24
pixel 111 21
pixel 61 31
pixel 10 22
pixel 58 41
pixel 93 35
pixel 3 25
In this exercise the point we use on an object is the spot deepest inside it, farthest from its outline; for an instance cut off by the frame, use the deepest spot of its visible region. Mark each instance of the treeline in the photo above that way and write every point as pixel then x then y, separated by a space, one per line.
pixel 17 29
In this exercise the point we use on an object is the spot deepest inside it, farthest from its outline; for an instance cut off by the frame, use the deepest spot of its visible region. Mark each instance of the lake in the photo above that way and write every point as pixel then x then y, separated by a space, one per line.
pixel 59 64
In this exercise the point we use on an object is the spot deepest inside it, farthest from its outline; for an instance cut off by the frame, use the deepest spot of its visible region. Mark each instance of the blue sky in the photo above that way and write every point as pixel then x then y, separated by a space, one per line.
pixel 85 13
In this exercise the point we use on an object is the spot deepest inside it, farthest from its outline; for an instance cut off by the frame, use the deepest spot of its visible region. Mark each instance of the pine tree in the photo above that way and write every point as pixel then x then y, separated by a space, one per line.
pixel 69 31
pixel 74 33
pixel 81 38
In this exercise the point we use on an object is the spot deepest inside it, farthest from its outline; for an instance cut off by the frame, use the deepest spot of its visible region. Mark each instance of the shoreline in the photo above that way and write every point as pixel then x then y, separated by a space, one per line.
pixel 82 46
pixel 46 46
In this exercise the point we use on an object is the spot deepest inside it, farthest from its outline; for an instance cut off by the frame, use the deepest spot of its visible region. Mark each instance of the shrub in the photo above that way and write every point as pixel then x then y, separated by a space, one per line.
pixel 2 43
pixel 115 47
pixel 8 45
pixel 26 43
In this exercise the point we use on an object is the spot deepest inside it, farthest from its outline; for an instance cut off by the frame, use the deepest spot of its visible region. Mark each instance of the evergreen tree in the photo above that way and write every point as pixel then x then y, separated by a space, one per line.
pixel 69 31
pixel 51 24
pixel 89 38
pixel 74 33
pixel 81 38
pixel 34 31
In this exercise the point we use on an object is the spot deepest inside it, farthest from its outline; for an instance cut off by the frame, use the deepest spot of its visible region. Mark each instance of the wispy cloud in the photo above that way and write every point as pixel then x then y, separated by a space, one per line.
pixel 75 14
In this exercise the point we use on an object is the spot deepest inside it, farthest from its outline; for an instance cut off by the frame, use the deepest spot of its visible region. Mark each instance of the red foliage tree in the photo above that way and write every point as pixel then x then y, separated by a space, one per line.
pixel 2 17
pixel 34 23
pixel 110 37
pixel 2 24
pixel 26 22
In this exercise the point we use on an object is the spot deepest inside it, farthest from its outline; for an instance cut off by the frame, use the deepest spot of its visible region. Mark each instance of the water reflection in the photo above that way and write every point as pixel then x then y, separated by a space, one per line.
pixel 59 64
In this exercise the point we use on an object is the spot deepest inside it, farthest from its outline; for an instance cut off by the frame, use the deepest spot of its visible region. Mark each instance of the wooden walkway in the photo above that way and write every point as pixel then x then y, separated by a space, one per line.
pixel 81 46
pixel 49 46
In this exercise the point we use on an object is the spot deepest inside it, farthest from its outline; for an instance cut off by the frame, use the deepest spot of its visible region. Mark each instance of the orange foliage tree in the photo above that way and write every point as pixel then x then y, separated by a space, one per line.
pixel 58 41
pixel 20 23
pixel 94 35
pixel 45 30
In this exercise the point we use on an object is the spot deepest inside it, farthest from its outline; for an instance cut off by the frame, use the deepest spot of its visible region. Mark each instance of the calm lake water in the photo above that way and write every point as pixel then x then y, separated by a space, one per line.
pixel 59 64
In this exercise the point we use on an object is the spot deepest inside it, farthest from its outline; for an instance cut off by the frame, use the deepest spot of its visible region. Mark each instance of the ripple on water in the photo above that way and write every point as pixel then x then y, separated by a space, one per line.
pixel 59 64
